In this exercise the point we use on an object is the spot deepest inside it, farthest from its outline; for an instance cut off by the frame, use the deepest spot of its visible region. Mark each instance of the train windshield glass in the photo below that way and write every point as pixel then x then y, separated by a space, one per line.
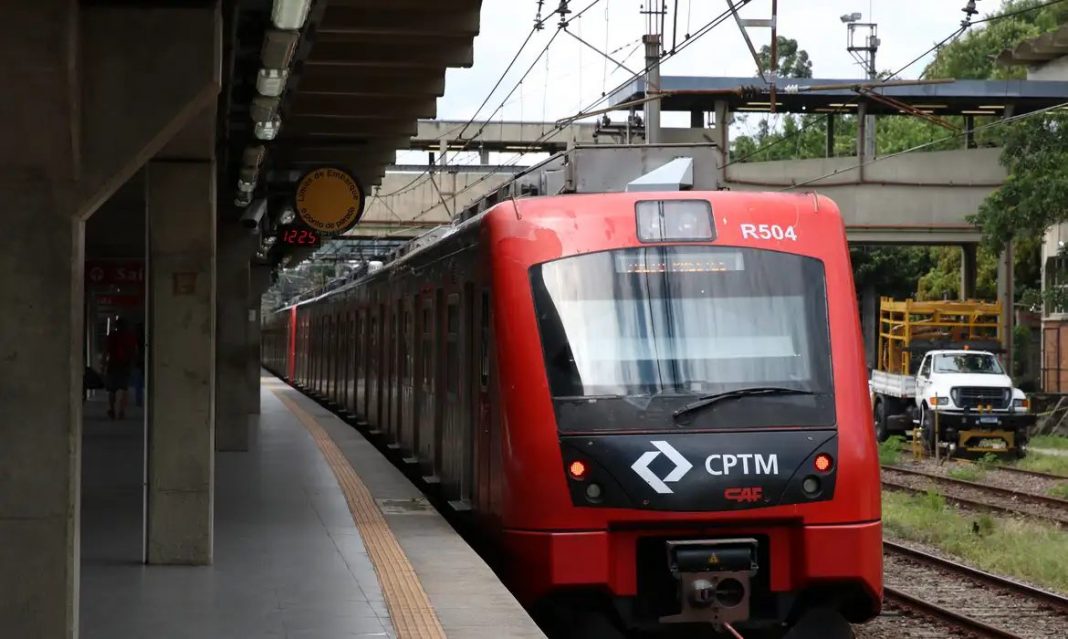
pixel 630 336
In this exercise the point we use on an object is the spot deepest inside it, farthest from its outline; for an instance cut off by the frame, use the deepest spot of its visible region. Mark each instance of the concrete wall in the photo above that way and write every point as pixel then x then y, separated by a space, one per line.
pixel 915 198
pixel 918 197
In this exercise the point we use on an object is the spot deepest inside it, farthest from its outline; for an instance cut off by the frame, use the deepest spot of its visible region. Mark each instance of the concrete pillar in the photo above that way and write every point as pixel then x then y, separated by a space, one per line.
pixel 830 135
pixel 181 390
pixel 1006 295
pixel 969 271
pixel 723 130
pixel 231 338
pixel 863 151
pixel 869 321
pixel 41 369
pixel 260 281
pixel 483 156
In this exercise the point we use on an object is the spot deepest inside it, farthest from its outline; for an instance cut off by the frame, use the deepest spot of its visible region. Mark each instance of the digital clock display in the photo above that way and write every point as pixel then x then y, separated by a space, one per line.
pixel 298 236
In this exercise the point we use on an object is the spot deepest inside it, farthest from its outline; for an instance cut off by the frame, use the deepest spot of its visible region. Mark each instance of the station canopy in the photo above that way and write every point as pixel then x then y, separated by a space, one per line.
pixel 823 95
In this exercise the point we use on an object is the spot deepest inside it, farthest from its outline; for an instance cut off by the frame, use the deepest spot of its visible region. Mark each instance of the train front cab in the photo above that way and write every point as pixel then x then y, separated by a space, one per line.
pixel 711 460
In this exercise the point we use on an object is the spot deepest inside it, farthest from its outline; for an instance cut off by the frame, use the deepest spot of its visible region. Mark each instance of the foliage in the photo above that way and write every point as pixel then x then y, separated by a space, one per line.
pixel 966 473
pixel 1014 547
pixel 1056 464
pixel 793 61
pixel 1036 154
pixel 972 55
pixel 890 450
pixel 1056 442
pixel 1035 194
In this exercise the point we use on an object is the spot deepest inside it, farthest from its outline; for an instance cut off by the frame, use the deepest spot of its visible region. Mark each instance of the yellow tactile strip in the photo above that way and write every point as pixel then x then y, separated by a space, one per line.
pixel 409 608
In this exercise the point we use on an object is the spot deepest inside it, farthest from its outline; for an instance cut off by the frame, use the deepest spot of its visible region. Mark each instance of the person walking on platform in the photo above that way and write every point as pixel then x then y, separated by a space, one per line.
pixel 121 352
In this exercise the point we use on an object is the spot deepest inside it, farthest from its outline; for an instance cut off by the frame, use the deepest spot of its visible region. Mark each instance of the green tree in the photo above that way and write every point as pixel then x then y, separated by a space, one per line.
pixel 1035 194
pixel 793 60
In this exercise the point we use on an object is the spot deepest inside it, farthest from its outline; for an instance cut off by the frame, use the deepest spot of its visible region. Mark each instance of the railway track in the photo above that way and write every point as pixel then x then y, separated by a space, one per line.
pixel 977 496
pixel 971 599
pixel 1031 473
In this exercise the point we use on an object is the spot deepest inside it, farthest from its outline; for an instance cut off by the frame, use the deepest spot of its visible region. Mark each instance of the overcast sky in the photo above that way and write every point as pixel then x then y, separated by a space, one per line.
pixel 572 76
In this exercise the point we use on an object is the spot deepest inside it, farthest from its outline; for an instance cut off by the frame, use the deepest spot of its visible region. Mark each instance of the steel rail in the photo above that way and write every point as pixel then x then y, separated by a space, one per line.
pixel 1008 492
pixel 975 505
pixel 1053 599
pixel 945 614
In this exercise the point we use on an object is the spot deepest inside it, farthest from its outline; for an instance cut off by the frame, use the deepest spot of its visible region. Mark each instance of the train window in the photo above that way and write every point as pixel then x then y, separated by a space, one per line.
pixel 484 344
pixel 631 345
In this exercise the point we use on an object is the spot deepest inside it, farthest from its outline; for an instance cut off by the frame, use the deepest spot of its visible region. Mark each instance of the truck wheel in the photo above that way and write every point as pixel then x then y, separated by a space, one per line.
pixel 882 433
pixel 927 423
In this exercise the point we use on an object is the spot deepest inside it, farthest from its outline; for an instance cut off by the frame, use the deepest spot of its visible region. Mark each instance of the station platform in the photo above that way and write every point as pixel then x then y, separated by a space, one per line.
pixel 317 535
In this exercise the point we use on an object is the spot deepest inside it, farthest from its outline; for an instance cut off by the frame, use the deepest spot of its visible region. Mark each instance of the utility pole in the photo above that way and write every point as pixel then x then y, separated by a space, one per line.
pixel 863 50
pixel 653 38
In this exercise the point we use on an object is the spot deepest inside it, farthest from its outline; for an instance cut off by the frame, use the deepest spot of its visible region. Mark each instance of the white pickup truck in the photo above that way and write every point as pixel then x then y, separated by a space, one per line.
pixel 964 394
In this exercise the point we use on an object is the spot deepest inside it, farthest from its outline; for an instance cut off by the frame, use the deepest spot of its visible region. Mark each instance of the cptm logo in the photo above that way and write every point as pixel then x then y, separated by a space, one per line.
pixel 641 467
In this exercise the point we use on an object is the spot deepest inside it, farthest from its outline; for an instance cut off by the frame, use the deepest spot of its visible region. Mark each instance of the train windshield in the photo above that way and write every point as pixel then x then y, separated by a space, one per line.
pixel 631 336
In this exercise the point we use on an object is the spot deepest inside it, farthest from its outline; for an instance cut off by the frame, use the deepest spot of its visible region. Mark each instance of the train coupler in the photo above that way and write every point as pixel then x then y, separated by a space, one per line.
pixel 714 579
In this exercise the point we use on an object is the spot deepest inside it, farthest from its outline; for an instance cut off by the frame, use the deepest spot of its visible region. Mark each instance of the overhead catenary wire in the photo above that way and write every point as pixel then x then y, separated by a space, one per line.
pixel 465 142
pixel 705 29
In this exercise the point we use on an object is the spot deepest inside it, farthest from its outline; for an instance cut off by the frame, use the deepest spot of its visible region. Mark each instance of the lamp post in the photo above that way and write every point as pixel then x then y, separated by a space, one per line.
pixel 868 44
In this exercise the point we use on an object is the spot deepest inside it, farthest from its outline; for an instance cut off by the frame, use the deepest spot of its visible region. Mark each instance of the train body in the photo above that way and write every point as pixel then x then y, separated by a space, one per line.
pixel 657 399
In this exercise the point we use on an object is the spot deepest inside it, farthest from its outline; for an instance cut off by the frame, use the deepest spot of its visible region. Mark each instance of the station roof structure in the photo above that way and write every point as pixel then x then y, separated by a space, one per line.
pixel 958 97
pixel 361 73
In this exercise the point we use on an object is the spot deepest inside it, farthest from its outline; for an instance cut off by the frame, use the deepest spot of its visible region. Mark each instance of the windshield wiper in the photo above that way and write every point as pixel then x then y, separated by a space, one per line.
pixel 711 400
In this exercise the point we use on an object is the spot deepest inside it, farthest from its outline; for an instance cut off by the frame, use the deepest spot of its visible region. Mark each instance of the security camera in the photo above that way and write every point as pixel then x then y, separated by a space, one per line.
pixel 850 17
pixel 252 216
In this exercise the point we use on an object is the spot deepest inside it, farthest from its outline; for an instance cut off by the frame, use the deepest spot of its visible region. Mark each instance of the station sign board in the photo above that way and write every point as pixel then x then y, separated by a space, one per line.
pixel 329 200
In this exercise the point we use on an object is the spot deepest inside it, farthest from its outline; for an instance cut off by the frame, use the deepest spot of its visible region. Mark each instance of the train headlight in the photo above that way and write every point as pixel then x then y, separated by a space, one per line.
pixel 824 462
pixel 594 492
pixel 811 486
pixel 578 470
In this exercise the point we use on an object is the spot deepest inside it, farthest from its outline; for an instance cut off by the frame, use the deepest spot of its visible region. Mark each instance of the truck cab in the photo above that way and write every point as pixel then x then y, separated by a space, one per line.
pixel 973 400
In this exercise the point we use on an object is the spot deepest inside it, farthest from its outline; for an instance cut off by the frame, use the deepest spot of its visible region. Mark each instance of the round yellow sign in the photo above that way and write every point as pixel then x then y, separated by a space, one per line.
pixel 329 200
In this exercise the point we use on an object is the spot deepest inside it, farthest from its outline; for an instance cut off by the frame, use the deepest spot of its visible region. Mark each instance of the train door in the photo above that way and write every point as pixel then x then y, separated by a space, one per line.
pixel 397 367
pixel 342 361
pixel 452 456
pixel 361 364
pixel 316 339
pixel 328 355
pixel 388 349
pixel 373 365
pixel 407 382
pixel 427 370
pixel 350 361
pixel 482 404
pixel 335 357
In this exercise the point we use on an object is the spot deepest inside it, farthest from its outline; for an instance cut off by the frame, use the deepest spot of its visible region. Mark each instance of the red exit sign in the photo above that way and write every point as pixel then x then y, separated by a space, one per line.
pixel 106 273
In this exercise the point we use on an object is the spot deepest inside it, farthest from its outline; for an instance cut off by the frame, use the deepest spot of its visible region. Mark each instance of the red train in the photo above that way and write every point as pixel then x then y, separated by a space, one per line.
pixel 652 400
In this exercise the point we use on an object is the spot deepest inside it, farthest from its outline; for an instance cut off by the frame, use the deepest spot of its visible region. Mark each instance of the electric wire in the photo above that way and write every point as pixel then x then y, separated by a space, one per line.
pixel 705 29
pixel 464 142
